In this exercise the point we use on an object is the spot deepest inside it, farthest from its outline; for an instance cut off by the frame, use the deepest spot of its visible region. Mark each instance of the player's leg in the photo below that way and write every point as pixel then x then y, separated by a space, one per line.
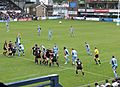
pixel 95 58
pixel 98 60
pixel 76 70
pixel 23 52
pixel 36 60
pixel 50 62
pixel 114 71
pixel 73 59
pixel 66 59
pixel 82 72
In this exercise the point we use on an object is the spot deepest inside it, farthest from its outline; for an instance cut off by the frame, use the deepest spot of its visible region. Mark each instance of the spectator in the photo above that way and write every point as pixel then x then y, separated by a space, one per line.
pixel 97 85
pixel 107 84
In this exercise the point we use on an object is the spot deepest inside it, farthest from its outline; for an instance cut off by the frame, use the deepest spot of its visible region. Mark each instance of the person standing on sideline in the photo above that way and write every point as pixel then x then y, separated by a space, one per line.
pixel 50 34
pixel 114 64
pixel 87 46
pixel 66 53
pixel 74 56
pixel 39 30
pixel 96 56
pixel 72 31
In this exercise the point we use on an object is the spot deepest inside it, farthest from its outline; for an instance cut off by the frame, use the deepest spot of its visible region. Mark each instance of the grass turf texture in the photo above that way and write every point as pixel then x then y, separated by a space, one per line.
pixel 105 36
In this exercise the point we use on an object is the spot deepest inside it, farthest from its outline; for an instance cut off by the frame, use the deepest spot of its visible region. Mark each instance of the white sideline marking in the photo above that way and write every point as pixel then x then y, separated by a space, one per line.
pixel 90 72
pixel 22 77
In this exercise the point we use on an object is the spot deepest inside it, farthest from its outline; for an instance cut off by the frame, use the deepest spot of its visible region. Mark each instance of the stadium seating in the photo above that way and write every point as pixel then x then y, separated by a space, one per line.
pixel 8 5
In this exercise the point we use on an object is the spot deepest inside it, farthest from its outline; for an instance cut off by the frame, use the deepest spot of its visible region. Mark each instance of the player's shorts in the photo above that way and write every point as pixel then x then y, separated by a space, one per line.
pixel 96 56
pixel 38 57
pixel 74 58
pixel 114 67
pixel 79 68
pixel 43 57
pixel 54 60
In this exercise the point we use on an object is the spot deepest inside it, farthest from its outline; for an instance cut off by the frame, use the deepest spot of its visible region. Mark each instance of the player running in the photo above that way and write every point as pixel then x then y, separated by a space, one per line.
pixel 87 46
pixel 114 64
pixel 79 66
pixel 39 30
pixel 74 56
pixel 96 57
pixel 66 53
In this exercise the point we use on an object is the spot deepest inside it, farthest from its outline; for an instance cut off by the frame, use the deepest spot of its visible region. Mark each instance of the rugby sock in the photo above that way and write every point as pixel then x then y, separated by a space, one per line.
pixel 43 62
pixel 40 62
pixel 57 64
pixel 96 61
pixel 76 72
pixel 66 60
pixel 115 74
pixel 82 73
pixel 99 61
pixel 36 61
pixel 50 64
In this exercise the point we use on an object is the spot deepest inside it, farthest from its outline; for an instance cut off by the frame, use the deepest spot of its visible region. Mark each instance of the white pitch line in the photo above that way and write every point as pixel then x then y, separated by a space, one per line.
pixel 66 68
pixel 73 68
pixel 89 72
pixel 31 75
pixel 16 78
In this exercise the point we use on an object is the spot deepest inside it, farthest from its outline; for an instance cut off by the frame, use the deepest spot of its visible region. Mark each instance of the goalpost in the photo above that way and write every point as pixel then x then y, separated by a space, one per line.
pixel 118 18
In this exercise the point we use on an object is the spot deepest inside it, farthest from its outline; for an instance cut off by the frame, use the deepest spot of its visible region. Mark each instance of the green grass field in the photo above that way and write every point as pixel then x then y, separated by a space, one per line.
pixel 105 36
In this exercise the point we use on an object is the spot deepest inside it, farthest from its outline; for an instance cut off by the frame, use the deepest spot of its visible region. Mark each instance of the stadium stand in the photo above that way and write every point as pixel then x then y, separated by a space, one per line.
pixel 114 83
pixel 8 5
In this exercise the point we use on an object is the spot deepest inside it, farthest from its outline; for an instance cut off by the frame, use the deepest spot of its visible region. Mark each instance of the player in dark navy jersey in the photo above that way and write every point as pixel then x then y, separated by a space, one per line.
pixel 79 66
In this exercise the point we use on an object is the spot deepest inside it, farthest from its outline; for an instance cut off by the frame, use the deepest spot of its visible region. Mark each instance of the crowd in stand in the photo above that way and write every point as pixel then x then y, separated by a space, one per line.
pixel 3 16
pixel 13 15
pixel 7 5
pixel 114 83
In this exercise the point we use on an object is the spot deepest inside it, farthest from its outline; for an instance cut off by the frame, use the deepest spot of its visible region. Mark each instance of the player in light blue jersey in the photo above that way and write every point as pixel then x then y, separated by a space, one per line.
pixel 71 31
pixel 7 25
pixel 87 46
pixel 66 53
pixel 55 51
pixel 50 34
pixel 114 65
pixel 39 30
pixel 17 42
pixel 74 56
